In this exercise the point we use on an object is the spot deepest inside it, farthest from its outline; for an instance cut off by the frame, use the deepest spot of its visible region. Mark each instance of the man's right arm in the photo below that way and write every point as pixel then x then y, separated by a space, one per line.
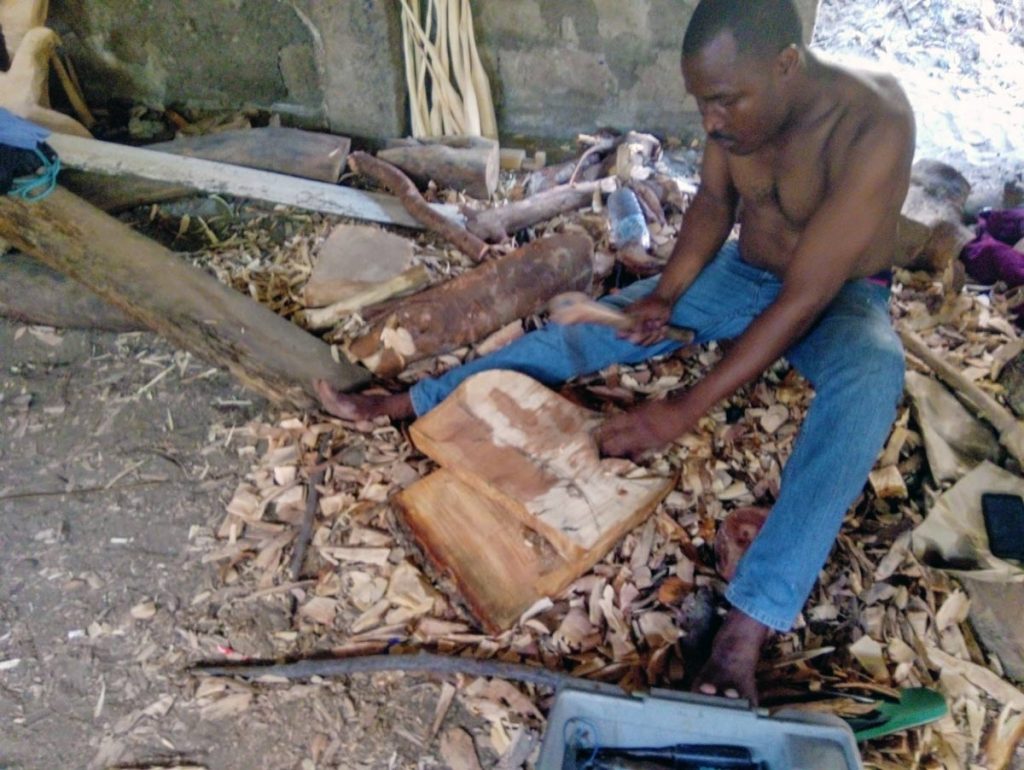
pixel 706 224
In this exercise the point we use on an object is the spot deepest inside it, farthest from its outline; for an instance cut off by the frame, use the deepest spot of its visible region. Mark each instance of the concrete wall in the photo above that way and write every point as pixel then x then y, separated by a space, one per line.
pixel 557 66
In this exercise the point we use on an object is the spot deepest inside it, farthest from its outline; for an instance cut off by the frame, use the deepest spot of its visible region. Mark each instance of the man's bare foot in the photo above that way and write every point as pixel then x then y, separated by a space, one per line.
pixel 356 406
pixel 734 656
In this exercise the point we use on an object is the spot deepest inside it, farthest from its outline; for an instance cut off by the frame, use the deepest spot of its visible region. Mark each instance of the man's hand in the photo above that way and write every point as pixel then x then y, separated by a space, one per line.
pixel 650 319
pixel 646 428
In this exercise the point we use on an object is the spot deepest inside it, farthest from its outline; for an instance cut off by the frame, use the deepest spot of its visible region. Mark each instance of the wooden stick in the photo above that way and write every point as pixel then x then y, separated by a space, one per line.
pixel 309 515
pixel 325 317
pixel 496 224
pixel 71 89
pixel 575 307
pixel 423 662
pixel 400 185
pixel 104 157
pixel 183 303
pixel 1011 431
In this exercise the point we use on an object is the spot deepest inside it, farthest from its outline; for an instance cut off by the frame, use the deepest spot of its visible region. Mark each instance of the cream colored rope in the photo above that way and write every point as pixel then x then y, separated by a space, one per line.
pixel 456 100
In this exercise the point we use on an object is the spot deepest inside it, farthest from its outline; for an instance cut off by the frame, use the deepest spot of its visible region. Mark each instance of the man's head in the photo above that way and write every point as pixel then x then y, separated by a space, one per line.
pixel 739 59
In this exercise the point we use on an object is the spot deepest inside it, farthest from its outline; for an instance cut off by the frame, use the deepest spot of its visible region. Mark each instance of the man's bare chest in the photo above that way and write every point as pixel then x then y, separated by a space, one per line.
pixel 787 188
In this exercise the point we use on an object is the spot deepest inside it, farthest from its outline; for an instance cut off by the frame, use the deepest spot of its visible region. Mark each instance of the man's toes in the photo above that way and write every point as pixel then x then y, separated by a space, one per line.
pixel 324 391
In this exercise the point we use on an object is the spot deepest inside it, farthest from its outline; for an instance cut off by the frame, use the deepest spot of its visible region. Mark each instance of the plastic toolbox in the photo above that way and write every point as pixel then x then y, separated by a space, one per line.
pixel 592 716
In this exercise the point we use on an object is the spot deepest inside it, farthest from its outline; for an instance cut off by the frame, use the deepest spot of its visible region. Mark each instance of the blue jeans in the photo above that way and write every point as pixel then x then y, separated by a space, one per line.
pixel 852 357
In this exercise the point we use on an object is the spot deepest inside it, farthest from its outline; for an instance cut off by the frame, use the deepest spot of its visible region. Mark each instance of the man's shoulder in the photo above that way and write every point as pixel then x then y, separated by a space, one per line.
pixel 875 100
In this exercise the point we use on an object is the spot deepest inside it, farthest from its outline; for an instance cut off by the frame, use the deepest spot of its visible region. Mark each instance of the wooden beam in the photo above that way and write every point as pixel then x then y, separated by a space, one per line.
pixel 210 176
pixel 183 303
pixel 32 293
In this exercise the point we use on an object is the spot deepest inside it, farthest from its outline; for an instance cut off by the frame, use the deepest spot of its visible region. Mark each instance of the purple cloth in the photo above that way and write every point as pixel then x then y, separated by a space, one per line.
pixel 1006 225
pixel 990 257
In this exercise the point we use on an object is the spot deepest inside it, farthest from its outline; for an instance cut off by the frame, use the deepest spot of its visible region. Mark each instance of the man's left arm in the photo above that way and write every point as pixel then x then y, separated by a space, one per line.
pixel 827 255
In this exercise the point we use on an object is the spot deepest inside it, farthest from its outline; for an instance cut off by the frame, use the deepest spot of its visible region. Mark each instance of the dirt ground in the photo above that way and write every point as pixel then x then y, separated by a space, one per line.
pixel 118 453
pixel 118 457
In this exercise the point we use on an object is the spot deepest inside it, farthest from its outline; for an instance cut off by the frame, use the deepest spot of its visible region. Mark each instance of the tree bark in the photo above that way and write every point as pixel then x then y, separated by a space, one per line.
pixel 468 308
pixel 189 307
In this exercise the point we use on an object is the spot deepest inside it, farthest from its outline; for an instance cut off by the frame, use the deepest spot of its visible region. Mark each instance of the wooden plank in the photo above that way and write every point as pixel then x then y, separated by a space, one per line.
pixel 282 150
pixel 191 308
pixel 210 176
pixel 122 192
pixel 533 453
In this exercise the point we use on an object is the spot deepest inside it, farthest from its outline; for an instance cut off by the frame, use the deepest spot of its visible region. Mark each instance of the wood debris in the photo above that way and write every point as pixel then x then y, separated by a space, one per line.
pixel 879 618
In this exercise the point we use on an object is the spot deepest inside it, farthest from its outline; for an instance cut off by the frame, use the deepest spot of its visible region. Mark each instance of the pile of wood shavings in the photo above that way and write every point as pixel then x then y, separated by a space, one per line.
pixel 877 620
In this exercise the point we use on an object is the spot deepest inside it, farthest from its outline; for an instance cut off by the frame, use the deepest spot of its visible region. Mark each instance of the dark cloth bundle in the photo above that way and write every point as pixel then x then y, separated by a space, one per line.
pixel 990 257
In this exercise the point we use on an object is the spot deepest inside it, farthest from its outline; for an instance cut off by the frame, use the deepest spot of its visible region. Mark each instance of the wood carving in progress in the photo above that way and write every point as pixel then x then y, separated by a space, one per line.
pixel 518 458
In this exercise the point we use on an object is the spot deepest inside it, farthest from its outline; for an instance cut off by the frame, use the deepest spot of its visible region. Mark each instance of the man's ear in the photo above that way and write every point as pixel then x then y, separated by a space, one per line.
pixel 787 62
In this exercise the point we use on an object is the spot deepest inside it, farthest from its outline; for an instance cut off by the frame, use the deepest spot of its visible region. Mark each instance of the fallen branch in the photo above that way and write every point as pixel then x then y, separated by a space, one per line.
pixel 421 663
pixel 1011 432
pixel 400 185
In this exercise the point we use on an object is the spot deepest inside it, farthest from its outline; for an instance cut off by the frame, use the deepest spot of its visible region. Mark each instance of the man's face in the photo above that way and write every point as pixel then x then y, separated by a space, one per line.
pixel 737 96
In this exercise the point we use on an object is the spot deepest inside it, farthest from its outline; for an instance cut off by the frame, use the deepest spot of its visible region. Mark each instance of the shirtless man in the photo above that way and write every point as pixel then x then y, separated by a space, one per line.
pixel 814 160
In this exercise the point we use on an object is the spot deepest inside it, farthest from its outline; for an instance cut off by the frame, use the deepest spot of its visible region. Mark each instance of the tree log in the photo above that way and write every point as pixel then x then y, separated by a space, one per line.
pixel 496 224
pixel 186 305
pixel 31 292
pixel 400 185
pixel 472 167
pixel 468 308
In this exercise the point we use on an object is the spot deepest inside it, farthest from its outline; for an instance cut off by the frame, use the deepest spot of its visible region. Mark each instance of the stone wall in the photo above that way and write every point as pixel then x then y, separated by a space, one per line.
pixel 557 66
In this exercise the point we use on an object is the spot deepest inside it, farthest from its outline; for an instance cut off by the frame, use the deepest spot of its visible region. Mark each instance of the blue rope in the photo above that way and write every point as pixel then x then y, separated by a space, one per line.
pixel 39 185
pixel 584 736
